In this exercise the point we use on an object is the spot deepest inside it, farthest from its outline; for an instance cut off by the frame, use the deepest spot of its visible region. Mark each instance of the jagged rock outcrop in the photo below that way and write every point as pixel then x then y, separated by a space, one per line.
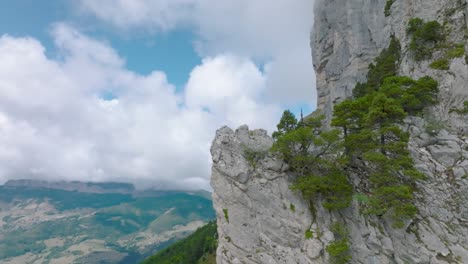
pixel 260 220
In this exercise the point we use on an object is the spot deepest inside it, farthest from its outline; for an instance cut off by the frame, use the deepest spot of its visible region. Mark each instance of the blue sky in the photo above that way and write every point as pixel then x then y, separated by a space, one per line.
pixel 134 90
pixel 171 52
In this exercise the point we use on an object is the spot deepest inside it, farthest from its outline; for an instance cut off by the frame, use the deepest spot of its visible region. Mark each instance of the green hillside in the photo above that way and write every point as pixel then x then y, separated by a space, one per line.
pixel 38 224
pixel 198 248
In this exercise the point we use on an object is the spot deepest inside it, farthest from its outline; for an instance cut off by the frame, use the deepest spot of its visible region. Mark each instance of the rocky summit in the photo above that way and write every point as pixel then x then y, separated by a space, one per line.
pixel 261 220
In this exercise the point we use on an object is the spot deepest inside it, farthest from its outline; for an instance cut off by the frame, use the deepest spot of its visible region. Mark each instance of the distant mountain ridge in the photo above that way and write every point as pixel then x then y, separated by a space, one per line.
pixel 88 187
pixel 83 222
pixel 97 187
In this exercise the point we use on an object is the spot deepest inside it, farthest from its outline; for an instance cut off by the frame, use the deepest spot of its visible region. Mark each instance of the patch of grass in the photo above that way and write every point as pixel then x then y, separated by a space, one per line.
pixel 451 52
pixel 457 51
pixel 440 64
pixel 309 234
pixel 388 7
pixel 361 198
pixel 292 207
pixel 226 214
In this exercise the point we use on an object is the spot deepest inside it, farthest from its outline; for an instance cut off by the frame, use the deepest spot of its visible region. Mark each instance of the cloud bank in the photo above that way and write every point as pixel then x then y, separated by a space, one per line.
pixel 275 33
pixel 84 116
pixel 55 122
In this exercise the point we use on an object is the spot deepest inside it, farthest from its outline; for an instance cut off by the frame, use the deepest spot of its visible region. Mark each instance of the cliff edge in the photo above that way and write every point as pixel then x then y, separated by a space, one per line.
pixel 260 220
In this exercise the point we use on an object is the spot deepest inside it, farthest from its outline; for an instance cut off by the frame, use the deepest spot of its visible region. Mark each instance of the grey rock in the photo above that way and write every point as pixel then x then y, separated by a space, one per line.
pixel 267 221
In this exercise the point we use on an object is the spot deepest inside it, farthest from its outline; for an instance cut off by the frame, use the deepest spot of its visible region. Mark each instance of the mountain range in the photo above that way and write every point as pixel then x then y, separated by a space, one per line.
pixel 83 222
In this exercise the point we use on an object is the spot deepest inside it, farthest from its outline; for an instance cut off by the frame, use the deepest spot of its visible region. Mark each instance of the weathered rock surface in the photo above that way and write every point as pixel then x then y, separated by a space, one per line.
pixel 260 220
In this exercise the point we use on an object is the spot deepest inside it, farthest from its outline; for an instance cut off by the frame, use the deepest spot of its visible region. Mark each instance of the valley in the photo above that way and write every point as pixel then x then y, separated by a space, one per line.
pixel 58 224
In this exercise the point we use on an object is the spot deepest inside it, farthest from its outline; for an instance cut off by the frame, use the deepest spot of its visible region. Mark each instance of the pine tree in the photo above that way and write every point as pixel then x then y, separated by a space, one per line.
pixel 288 122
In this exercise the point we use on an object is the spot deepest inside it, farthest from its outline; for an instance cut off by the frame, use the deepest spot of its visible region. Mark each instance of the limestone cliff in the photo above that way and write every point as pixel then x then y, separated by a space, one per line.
pixel 260 220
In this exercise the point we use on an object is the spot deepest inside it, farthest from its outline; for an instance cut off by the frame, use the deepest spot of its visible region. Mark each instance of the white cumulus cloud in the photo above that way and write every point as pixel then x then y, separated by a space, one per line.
pixel 56 124
pixel 275 33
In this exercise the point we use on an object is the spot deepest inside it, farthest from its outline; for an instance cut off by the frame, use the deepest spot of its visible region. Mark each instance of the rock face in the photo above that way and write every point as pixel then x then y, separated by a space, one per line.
pixel 260 220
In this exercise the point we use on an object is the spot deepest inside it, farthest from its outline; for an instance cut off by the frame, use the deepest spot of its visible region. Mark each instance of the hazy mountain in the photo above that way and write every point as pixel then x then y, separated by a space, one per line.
pixel 77 222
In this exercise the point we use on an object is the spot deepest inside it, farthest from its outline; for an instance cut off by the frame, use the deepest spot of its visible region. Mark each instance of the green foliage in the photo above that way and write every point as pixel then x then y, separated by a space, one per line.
pixel 361 198
pixel 430 31
pixel 292 207
pixel 457 51
pixel 433 127
pixel 287 123
pixel 311 153
pixel 452 51
pixel 226 214
pixel 369 131
pixel 388 6
pixel 421 94
pixel 333 187
pixel 196 248
pixel 339 251
pixel 339 230
pixel 382 144
pixel 115 216
pixel 414 25
pixel 371 128
pixel 339 248
pixel 424 37
pixel 440 64
pixel 386 65
pixel 309 234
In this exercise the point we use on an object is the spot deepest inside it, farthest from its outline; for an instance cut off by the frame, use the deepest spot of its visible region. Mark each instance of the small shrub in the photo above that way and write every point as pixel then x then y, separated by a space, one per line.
pixel 339 229
pixel 226 214
pixel 424 37
pixel 339 249
pixel 452 52
pixel 309 234
pixel 441 64
pixel 361 198
pixel 433 127
pixel 414 24
pixel 388 6
pixel 431 31
pixel 292 208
